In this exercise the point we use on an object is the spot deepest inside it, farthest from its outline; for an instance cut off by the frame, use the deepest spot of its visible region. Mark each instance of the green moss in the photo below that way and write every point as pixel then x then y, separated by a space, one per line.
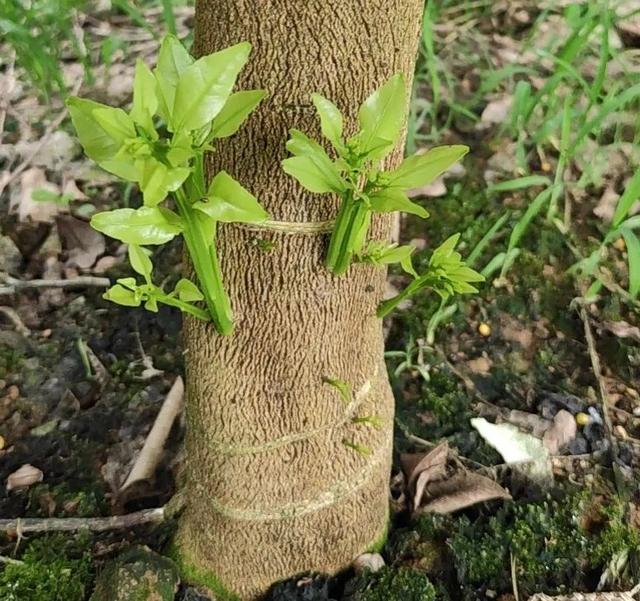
pixel 46 574
pixel 552 548
pixel 196 576
pixel 403 584
pixel 381 540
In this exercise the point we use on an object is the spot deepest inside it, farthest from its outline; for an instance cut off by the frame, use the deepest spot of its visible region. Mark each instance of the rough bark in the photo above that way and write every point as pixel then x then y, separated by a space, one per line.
pixel 272 488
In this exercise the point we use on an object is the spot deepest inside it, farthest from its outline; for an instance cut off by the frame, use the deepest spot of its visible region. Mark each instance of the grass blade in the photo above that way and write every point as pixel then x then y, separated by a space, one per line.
pixel 627 200
pixel 633 254
pixel 520 183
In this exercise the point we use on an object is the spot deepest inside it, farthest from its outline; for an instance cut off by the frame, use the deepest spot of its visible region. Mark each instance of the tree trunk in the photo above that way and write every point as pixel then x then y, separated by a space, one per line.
pixel 275 486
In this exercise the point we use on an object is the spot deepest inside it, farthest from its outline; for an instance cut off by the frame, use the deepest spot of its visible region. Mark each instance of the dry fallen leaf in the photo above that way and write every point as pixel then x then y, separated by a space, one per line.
pixel 480 365
pixel 607 204
pixel 83 244
pixel 563 430
pixel 24 477
pixel 623 329
pixel 516 447
pixel 439 483
pixel 496 112
pixel 26 207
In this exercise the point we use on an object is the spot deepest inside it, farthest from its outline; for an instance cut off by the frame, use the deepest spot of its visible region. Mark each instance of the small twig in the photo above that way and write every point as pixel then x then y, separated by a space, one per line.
pixel 14 318
pixel 151 452
pixel 116 522
pixel 514 576
pixel 86 281
pixel 10 560
pixel 597 373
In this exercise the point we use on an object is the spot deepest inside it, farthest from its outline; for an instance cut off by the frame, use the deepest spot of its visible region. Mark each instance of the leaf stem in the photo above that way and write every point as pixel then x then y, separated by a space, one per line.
pixel 205 262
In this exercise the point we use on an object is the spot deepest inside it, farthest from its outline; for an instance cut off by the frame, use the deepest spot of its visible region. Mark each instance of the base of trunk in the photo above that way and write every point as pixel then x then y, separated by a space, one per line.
pixel 199 568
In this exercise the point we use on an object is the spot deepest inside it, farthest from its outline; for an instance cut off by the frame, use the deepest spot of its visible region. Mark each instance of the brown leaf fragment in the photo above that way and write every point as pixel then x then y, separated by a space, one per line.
pixel 563 430
pixel 24 477
pixel 622 329
pixel 83 243
pixel 437 482
pixel 463 489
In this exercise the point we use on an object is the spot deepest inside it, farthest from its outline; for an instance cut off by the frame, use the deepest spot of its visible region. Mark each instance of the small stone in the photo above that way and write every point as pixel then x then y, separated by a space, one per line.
pixel 619 244
pixel 137 575
pixel 578 446
pixel 2 443
pixel 582 419
pixel 546 167
pixel 636 411
pixel 13 392
pixel 484 329
pixel 620 432
pixel 368 561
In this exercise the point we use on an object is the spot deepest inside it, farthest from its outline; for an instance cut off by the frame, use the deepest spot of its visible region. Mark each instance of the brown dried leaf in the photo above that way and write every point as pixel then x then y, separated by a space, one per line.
pixel 24 477
pixel 27 209
pixel 439 483
pixel 83 243
pixel 461 490
pixel 622 329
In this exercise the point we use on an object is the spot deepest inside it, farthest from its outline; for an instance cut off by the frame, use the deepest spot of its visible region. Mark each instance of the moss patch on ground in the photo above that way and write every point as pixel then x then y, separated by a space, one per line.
pixel 47 571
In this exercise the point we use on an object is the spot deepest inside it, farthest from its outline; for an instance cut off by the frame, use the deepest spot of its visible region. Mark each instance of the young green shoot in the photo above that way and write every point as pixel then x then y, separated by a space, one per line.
pixel 179 110
pixel 356 175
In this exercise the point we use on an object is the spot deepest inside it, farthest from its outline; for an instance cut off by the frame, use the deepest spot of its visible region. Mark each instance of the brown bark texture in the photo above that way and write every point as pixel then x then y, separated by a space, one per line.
pixel 273 490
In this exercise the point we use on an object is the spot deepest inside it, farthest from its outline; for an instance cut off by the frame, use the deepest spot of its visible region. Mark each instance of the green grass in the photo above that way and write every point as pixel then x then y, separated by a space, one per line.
pixel 565 104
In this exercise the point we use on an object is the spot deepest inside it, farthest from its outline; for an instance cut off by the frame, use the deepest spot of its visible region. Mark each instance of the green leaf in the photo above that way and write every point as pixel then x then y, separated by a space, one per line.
pixel 228 201
pixel 146 225
pixel 140 261
pixel 381 117
pixel 173 59
pixel 629 197
pixel 122 296
pixel 308 174
pixel 341 386
pixel 633 254
pixel 235 111
pixel 394 199
pixel 188 291
pixel 421 169
pixel 311 165
pixel 205 86
pixel 97 143
pixel 381 253
pixel 157 180
pixel 331 121
pixel 115 122
pixel 180 150
pixel 145 100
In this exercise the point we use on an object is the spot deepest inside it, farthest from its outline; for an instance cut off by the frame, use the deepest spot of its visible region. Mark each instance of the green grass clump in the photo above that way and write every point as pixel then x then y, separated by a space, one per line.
pixel 550 543
pixel 403 584
pixel 46 573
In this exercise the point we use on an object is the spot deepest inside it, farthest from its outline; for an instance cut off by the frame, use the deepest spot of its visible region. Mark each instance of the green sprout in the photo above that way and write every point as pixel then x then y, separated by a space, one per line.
pixel 179 110
pixel 357 177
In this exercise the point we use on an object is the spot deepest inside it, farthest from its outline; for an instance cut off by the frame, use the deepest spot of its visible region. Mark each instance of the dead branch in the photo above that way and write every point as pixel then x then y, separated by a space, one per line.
pixel 14 285
pixel 20 526
pixel 149 457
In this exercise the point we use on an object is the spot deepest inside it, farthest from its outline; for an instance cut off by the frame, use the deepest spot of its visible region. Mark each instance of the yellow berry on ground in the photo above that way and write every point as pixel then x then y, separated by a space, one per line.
pixel 484 329
pixel 582 419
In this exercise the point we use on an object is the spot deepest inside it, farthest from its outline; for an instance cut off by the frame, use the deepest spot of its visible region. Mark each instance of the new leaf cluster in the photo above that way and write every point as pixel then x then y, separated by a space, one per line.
pixel 179 110
pixel 357 176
